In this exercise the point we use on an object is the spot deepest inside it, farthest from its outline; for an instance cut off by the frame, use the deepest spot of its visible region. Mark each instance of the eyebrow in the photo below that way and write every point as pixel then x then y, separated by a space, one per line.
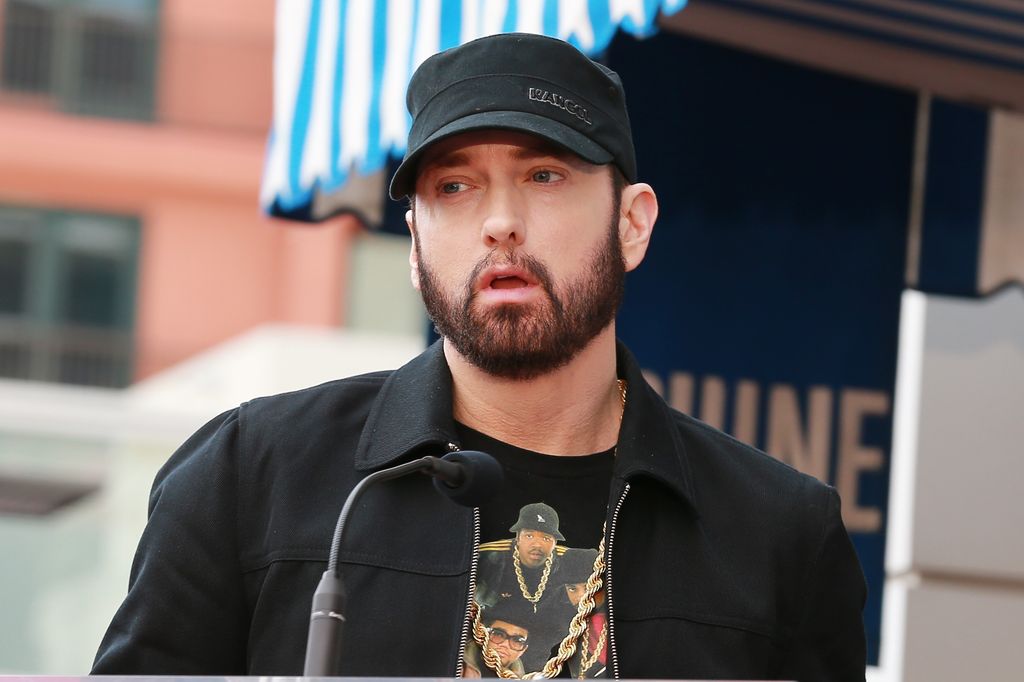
pixel 446 160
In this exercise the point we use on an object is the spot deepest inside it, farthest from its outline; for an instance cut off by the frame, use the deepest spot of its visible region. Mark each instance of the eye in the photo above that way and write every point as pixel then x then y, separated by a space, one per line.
pixel 452 187
pixel 546 176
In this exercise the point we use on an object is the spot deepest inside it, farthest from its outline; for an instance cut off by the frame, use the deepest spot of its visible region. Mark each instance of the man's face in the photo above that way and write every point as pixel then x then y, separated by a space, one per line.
pixel 516 250
pixel 534 547
pixel 575 592
pixel 506 640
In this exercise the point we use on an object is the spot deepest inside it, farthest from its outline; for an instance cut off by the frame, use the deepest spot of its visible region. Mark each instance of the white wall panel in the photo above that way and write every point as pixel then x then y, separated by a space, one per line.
pixel 968 517
pixel 963 632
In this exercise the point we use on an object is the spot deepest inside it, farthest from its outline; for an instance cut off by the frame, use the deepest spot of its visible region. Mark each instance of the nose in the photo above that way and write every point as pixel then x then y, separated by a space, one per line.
pixel 503 224
pixel 503 652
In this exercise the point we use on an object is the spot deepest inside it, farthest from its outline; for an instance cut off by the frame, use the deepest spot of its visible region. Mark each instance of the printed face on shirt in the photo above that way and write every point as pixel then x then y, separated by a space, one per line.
pixel 516 250
pixel 508 641
pixel 534 547
pixel 575 592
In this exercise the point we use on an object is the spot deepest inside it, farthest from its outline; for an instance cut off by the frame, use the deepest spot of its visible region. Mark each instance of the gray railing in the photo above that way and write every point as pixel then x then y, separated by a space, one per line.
pixel 70 355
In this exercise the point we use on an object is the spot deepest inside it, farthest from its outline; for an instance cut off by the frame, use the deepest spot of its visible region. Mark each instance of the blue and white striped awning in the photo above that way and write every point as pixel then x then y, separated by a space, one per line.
pixel 341 68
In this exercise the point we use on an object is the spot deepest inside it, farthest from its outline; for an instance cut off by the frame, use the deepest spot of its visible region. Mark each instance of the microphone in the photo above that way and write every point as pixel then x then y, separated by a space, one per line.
pixel 466 477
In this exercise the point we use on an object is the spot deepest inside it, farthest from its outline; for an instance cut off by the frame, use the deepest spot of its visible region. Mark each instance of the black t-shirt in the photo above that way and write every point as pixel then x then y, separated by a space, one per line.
pixel 539 539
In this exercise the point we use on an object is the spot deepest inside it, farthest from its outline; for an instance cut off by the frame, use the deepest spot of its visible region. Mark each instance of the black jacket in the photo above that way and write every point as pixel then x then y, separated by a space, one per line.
pixel 723 562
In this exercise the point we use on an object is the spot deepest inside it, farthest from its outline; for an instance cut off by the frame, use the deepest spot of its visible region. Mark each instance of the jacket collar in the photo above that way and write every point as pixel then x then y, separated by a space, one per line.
pixel 649 440
pixel 412 413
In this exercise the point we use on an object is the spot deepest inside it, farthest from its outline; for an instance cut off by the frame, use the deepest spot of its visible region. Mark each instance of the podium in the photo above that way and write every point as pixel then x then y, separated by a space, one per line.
pixel 174 678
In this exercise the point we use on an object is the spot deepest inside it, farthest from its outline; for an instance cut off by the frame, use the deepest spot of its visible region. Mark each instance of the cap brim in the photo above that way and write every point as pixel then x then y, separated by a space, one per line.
pixel 404 180
pixel 519 526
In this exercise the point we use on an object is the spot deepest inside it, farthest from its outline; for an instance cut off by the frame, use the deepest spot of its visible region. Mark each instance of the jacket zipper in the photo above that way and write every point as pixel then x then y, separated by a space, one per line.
pixel 613 652
pixel 464 639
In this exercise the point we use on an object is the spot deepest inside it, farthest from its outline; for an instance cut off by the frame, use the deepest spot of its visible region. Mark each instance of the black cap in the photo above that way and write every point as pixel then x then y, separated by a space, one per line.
pixel 538 516
pixel 576 565
pixel 523 82
pixel 514 610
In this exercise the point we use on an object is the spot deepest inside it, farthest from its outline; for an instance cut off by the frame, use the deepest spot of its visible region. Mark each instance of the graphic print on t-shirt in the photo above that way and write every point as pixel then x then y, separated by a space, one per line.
pixel 529 588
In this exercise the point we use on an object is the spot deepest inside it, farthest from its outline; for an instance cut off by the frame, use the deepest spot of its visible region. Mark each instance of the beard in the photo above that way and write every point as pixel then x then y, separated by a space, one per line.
pixel 524 341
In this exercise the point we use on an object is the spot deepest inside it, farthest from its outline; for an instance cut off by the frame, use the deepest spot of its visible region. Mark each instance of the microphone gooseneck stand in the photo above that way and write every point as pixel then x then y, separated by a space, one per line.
pixel 466 477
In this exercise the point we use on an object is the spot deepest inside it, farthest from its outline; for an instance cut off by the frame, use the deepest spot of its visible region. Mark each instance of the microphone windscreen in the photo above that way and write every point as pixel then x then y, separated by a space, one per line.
pixel 482 478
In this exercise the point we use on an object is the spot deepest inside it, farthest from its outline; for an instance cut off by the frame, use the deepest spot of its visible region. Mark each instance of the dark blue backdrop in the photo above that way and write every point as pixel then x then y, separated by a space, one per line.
pixel 779 254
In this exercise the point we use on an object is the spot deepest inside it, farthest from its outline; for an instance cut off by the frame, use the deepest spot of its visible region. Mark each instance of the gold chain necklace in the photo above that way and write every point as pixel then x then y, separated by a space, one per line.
pixel 579 624
pixel 532 598
pixel 585 662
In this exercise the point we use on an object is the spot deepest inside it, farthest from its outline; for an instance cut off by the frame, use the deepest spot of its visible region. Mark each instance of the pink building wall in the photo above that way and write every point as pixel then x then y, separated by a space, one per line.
pixel 210 265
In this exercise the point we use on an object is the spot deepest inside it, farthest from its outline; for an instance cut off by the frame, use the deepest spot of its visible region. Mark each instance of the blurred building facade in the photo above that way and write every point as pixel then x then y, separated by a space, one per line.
pixel 132 135
pixel 131 143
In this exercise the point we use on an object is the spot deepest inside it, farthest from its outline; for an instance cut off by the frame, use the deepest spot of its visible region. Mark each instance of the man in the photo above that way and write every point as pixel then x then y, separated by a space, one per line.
pixel 522 567
pixel 526 212
pixel 534 546
pixel 507 636
pixel 577 565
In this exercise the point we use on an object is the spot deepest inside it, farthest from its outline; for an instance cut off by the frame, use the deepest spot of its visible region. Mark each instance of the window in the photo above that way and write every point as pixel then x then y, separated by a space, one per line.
pixel 93 57
pixel 67 296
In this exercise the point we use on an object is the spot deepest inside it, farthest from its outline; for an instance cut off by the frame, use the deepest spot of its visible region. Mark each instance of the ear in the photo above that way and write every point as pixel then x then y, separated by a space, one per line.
pixel 638 211
pixel 414 261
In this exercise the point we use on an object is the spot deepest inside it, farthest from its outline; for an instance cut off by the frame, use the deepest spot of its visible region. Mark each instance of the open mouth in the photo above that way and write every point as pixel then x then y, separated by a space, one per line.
pixel 507 278
pixel 508 282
